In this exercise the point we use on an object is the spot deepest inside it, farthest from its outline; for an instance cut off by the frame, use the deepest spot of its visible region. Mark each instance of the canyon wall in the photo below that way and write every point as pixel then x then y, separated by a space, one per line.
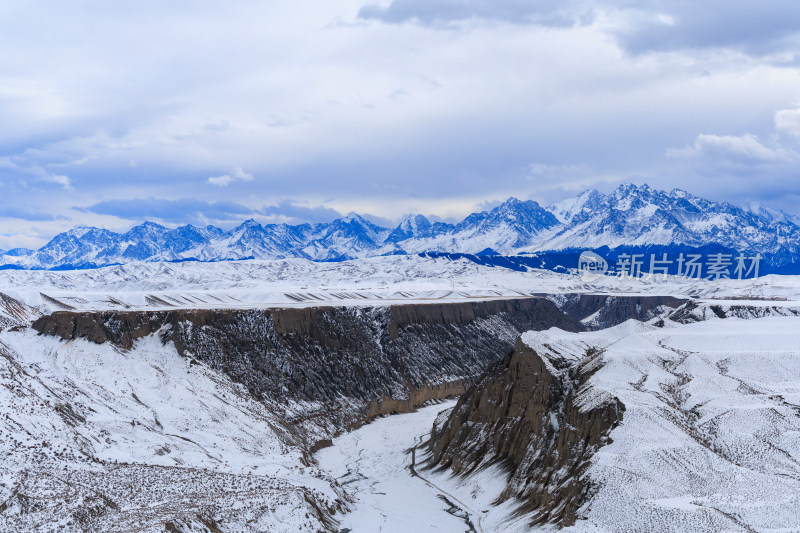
pixel 332 364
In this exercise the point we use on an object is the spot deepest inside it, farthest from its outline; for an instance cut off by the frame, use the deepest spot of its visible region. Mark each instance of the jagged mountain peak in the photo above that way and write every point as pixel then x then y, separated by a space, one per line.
pixel 514 207
pixel 566 210
pixel 146 229
pixel 249 223
pixel 513 203
pixel 627 188
pixel 148 224
pixel 79 231
pixel 774 216
pixel 630 215
pixel 416 221
pixel 630 195
pixel 354 217
pixel 513 211
pixel 413 225
pixel 355 225
pixel 418 226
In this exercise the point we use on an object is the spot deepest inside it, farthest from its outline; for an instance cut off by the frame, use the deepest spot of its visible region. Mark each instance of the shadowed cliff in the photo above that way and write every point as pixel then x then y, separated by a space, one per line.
pixel 372 360
pixel 523 414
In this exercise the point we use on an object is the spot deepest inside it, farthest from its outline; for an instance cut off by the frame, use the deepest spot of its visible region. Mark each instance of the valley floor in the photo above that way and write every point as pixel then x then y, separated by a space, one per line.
pixel 97 437
pixel 374 464
pixel 710 440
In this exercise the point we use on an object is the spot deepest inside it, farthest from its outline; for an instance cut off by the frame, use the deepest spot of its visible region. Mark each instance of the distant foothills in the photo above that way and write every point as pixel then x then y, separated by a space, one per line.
pixel 631 218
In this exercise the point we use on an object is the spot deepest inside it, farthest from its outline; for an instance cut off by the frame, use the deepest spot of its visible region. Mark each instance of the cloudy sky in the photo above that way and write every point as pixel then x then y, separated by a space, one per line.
pixel 213 112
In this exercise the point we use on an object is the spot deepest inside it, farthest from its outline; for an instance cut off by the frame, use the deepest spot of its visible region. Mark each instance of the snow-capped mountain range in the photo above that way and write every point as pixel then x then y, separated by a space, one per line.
pixel 630 216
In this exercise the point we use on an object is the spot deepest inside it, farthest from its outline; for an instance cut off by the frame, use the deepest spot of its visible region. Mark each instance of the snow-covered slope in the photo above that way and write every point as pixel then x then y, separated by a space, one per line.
pixel 371 281
pixel 372 462
pixel 629 216
pixel 96 438
pixel 634 215
pixel 146 439
pixel 708 437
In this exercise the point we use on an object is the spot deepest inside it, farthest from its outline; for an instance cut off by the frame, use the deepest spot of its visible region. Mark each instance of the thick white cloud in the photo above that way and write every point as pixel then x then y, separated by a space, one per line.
pixel 748 168
pixel 788 121
pixel 459 103
pixel 745 149
pixel 756 26
pixel 58 179
pixel 236 174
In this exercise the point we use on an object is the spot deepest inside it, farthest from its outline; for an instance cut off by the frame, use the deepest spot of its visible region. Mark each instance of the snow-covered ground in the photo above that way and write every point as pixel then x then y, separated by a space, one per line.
pixel 710 438
pixel 131 440
pixel 374 464
pixel 379 280
pixel 709 442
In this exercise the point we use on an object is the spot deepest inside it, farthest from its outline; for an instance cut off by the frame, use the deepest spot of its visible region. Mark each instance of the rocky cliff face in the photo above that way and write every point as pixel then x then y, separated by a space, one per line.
pixel 327 364
pixel 524 413
pixel 693 311
pixel 600 311
pixel 15 314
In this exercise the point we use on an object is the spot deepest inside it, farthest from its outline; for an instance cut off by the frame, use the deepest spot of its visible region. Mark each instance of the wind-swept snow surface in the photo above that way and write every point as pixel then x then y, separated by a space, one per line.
pixel 710 437
pixel 94 436
pixel 374 463
pixel 710 440
pixel 97 438
pixel 379 280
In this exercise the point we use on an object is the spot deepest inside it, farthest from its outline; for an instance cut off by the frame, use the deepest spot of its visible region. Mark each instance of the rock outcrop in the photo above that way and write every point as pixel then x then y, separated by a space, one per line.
pixel 14 313
pixel 525 413
pixel 693 311
pixel 344 364
pixel 600 311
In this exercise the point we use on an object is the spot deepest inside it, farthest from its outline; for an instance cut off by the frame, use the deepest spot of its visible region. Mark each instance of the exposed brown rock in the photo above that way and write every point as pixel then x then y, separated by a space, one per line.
pixel 523 415
pixel 365 360
pixel 416 398
pixel 610 310
pixel 693 311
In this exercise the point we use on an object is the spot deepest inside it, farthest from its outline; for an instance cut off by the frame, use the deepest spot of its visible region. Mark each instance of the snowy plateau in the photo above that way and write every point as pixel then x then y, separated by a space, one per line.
pixel 193 397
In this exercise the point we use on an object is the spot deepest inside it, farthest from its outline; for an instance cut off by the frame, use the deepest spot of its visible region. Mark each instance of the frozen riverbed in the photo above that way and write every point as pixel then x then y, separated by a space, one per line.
pixel 373 464
pixel 710 439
